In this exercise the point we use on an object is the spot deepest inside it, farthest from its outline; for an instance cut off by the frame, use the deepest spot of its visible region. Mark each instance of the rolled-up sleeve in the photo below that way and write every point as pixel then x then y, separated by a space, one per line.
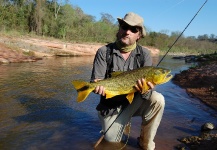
pixel 99 64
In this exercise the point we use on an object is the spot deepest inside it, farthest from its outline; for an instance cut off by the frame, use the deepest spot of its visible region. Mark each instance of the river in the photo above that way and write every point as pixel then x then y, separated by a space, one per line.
pixel 38 108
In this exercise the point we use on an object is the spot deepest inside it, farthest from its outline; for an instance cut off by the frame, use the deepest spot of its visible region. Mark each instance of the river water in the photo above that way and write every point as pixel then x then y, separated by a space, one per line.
pixel 38 108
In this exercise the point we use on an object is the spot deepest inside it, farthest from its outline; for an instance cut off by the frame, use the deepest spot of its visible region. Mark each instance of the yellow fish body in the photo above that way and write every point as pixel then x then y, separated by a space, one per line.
pixel 124 82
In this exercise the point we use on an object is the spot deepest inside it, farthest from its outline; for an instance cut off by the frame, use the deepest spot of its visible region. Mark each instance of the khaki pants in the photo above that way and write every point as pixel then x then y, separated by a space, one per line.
pixel 151 112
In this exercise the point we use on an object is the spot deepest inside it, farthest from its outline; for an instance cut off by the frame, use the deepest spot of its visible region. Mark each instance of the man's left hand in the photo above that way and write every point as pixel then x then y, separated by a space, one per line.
pixel 141 83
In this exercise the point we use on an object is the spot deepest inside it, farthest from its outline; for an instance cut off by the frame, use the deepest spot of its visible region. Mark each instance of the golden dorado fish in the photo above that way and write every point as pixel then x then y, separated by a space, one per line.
pixel 124 82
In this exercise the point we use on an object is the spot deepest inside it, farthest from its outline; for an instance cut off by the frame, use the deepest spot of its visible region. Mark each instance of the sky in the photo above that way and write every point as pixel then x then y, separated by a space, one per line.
pixel 164 16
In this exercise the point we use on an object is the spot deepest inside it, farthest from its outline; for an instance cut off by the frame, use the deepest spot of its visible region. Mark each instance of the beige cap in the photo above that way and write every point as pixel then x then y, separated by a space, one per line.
pixel 133 19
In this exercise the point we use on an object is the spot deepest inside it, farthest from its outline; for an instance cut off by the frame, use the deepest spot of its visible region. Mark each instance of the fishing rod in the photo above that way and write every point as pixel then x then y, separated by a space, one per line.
pixel 181 33
pixel 101 138
pixel 104 133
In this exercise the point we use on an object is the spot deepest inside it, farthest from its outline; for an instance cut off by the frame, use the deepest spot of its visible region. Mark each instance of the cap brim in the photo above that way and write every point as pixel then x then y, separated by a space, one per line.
pixel 120 20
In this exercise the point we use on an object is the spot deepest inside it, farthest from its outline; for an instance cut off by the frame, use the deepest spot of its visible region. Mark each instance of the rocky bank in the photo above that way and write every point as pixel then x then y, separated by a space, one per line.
pixel 200 82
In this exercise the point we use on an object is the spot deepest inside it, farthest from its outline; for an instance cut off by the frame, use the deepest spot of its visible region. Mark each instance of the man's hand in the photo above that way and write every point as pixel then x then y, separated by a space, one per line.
pixel 99 89
pixel 140 85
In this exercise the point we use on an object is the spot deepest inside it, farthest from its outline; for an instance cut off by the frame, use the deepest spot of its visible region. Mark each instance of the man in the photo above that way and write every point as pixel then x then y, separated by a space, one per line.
pixel 125 54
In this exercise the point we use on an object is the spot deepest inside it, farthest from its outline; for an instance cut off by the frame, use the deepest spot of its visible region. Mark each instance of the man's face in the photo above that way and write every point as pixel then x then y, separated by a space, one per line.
pixel 127 34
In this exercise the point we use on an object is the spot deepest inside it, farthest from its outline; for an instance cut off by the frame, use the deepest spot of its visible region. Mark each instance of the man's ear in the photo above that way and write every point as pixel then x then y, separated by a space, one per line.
pixel 138 37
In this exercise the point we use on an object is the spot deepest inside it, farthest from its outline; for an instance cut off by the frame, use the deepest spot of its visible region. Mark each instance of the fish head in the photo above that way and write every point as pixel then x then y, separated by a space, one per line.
pixel 160 75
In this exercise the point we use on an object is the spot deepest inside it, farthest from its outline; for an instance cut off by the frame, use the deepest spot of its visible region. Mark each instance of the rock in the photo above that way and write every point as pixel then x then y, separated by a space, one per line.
pixel 178 57
pixel 190 58
pixel 4 61
pixel 207 126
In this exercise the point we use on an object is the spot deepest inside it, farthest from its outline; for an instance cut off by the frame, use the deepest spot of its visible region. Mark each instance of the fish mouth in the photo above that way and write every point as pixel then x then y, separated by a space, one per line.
pixel 167 77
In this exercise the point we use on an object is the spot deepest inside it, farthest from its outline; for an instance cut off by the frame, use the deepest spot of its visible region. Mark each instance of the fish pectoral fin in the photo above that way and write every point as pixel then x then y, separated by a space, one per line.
pixel 130 97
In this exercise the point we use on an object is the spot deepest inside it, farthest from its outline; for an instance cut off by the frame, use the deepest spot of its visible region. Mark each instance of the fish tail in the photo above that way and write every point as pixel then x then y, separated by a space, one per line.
pixel 83 88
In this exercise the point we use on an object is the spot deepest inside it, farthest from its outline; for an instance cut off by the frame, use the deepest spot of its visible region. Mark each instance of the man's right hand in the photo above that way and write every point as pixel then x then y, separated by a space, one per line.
pixel 99 89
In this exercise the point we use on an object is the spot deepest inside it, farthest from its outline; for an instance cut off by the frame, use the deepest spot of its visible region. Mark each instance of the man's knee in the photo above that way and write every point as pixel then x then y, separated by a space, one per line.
pixel 157 98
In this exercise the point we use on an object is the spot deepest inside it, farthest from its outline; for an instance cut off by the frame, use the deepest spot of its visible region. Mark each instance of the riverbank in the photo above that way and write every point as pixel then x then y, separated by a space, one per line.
pixel 27 48
pixel 200 82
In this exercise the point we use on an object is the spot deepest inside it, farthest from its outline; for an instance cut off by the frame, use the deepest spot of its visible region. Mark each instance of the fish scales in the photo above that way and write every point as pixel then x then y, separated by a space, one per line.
pixel 123 83
pixel 120 84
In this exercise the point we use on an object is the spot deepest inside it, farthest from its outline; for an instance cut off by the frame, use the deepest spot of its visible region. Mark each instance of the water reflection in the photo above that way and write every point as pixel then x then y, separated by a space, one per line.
pixel 38 108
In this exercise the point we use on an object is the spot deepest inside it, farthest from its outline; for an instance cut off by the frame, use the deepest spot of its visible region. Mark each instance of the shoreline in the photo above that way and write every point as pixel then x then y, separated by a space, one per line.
pixel 200 82
pixel 28 49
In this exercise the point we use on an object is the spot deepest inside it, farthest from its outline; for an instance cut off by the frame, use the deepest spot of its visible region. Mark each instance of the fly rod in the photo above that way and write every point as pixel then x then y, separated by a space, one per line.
pixel 181 33
pixel 101 138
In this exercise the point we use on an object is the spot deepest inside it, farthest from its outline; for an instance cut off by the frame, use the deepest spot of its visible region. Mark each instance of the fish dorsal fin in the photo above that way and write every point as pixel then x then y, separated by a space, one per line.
pixel 130 97
pixel 114 74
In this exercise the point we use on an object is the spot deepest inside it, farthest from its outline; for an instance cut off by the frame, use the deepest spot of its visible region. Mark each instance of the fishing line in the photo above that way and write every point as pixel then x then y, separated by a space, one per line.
pixel 160 14
pixel 182 33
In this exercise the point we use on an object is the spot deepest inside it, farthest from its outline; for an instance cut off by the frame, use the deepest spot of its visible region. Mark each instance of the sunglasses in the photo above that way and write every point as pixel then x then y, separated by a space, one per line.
pixel 131 28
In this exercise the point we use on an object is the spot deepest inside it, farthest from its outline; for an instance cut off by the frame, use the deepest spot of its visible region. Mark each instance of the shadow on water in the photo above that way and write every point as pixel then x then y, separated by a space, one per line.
pixel 186 130
pixel 47 110
pixel 50 123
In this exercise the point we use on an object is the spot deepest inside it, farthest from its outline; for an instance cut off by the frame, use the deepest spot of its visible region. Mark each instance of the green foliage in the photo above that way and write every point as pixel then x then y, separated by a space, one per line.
pixel 64 21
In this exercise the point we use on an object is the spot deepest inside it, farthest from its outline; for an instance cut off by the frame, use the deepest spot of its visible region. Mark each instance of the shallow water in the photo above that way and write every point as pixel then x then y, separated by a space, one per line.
pixel 38 108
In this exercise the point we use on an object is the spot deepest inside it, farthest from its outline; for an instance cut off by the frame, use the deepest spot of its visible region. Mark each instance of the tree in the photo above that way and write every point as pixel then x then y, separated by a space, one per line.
pixel 203 37
pixel 107 18
pixel 38 15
